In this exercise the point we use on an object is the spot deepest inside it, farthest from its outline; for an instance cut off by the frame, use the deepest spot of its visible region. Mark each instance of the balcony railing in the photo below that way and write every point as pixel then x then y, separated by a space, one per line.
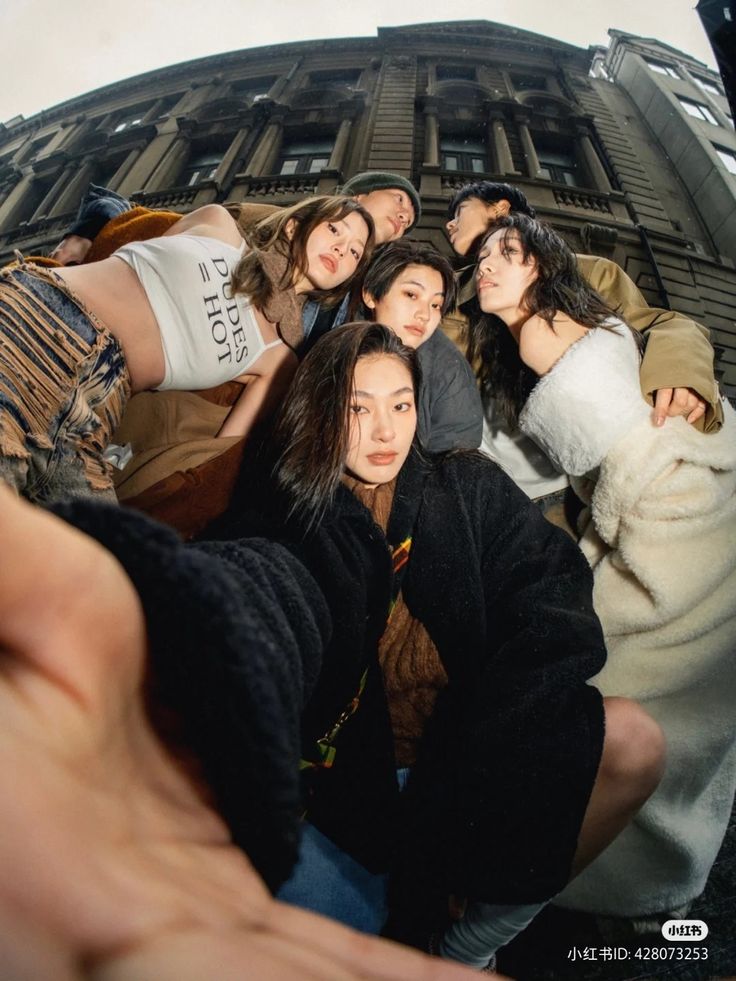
pixel 173 198
pixel 285 185
pixel 571 197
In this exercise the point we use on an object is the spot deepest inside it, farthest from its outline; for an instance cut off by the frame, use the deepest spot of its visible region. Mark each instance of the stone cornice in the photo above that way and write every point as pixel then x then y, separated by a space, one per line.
pixel 472 34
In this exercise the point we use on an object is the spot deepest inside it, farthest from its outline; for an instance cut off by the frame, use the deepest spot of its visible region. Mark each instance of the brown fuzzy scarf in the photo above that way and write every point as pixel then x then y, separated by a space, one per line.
pixel 283 307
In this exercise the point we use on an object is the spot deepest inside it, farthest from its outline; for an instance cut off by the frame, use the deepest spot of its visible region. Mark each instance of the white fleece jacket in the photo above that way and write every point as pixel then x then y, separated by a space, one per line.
pixel 661 538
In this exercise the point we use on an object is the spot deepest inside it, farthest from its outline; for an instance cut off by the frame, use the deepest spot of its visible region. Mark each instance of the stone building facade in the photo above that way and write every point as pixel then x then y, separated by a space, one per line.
pixel 628 151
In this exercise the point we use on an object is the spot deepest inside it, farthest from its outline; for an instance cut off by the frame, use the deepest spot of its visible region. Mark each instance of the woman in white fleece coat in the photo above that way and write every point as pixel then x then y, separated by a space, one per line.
pixel 660 534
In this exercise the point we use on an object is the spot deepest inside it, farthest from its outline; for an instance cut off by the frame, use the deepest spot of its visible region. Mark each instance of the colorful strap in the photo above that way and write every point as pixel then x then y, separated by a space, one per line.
pixel 325 746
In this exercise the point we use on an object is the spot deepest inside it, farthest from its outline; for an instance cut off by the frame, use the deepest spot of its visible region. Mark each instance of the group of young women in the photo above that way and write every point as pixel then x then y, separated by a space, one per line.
pixel 458 767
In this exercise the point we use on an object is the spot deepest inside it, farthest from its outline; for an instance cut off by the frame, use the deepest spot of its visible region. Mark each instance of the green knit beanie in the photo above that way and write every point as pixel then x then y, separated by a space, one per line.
pixel 379 180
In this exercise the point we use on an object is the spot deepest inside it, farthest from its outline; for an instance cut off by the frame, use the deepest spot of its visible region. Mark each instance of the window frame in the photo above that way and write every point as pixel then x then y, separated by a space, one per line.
pixel 307 156
pixel 660 68
pixel 702 112
pixel 727 158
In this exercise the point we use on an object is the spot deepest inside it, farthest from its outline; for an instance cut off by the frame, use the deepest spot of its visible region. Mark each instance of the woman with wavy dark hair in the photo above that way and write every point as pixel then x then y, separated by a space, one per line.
pixel 189 310
pixel 659 530
pixel 463 638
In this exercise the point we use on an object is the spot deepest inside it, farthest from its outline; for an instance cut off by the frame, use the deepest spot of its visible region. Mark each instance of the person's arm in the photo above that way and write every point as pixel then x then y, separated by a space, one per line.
pixel 115 864
pixel 262 393
pixel 450 409
pixel 677 370
pixel 518 757
pixel 211 221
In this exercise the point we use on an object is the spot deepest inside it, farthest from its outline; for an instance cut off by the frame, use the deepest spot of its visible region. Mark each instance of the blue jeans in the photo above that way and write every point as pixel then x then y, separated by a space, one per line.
pixel 327 880
pixel 63 386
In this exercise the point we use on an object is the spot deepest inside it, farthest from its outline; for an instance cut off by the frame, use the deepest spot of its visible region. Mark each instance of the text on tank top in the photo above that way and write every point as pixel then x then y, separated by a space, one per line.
pixel 209 335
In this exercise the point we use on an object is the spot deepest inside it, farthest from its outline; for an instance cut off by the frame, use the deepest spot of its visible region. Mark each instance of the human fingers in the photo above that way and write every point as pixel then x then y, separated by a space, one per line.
pixel 662 400
pixel 697 413
pixel 364 956
pixel 190 955
pixel 683 401
pixel 67 609
pixel 687 403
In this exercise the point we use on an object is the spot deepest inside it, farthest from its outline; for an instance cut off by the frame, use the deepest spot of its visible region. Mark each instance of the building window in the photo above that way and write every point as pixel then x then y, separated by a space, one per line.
pixel 728 157
pixel 557 163
pixel 661 69
pixel 529 83
pixel 124 124
pixel 254 89
pixel 202 166
pixel 461 153
pixel 698 110
pixel 455 73
pixel 308 157
pixel 107 169
pixel 707 85
pixel 339 76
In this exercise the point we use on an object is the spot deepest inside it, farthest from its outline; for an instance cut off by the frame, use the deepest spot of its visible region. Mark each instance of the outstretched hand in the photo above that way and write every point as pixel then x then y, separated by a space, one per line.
pixel 114 866
pixel 678 402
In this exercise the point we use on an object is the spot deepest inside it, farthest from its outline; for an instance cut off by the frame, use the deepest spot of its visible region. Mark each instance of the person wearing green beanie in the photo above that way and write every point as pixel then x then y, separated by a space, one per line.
pixel 391 200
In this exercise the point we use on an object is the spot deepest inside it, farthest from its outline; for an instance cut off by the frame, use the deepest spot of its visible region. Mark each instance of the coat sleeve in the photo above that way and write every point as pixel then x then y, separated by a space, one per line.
pixel 453 405
pixel 236 631
pixel 678 353
pixel 510 757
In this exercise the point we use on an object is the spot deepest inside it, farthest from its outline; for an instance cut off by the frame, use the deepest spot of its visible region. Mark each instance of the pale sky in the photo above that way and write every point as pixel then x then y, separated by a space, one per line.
pixel 53 50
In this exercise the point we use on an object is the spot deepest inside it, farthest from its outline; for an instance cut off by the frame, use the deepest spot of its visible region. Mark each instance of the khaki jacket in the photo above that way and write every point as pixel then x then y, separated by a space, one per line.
pixel 678 353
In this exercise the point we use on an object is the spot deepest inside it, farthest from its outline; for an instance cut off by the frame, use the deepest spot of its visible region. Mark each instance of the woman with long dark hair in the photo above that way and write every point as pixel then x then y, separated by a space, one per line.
pixel 659 530
pixel 463 638
pixel 189 310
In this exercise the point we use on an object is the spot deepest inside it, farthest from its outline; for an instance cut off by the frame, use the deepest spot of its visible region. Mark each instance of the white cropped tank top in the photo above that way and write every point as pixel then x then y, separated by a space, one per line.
pixel 209 335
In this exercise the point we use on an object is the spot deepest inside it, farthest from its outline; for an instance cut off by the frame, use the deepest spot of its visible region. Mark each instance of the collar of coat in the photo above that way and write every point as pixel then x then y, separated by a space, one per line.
pixel 588 400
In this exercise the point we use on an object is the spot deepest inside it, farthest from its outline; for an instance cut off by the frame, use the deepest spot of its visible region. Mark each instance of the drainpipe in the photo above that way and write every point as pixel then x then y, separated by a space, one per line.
pixel 644 238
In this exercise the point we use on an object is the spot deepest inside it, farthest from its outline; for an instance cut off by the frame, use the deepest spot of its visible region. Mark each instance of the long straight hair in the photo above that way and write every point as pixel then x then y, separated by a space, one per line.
pixel 312 433
pixel 290 240
pixel 558 287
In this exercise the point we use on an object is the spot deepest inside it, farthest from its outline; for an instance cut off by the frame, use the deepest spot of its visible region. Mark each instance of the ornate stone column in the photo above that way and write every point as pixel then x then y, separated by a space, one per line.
pixel 431 131
pixel 337 157
pixel 71 186
pixel 592 161
pixel 15 204
pixel 267 150
pixel 527 145
pixel 231 155
pixel 498 143
pixel 158 162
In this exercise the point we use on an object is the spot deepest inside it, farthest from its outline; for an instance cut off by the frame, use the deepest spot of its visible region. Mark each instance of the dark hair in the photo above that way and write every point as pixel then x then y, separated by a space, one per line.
pixel 272 233
pixel 391 259
pixel 312 432
pixel 490 192
pixel 559 286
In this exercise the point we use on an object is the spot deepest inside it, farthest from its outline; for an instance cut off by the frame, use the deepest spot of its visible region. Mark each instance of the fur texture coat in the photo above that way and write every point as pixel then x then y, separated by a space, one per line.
pixel 660 535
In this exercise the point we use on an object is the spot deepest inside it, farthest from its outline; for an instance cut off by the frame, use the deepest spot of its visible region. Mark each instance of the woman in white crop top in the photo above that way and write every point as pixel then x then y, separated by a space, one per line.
pixel 192 309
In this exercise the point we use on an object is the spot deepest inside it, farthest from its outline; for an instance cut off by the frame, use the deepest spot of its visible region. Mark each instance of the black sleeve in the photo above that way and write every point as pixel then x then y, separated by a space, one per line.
pixel 545 643
pixel 513 750
pixel 236 632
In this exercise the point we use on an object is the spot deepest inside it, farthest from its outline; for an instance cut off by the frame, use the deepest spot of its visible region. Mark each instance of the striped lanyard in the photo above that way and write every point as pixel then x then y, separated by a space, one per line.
pixel 325 746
